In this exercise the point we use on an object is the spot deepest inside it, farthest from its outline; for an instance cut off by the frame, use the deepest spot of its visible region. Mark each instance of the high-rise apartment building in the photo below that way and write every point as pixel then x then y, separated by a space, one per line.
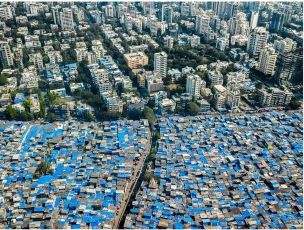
pixel 160 64
pixel 257 41
pixel 6 56
pixel 254 18
pixel 285 45
pixel 194 85
pixel 215 78
pixel 289 65
pixel 202 24
pixel 55 14
pixel 267 61
pixel 167 13
pixel 66 19
pixel 185 9
pixel 6 12
pixel 276 22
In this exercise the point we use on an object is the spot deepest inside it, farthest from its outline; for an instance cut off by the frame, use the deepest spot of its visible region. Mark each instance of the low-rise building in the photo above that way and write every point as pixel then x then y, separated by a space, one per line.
pixel 114 104
pixel 32 41
pixel 167 106
pixel 215 77
pixel 54 56
pixel 136 60
pixel 175 74
pixel 29 78
pixel 34 103
pixel 274 97
pixel 5 100
pixel 62 112
pixel 204 105
pixel 219 97
pixel 37 60
pixel 154 83
pixel 135 103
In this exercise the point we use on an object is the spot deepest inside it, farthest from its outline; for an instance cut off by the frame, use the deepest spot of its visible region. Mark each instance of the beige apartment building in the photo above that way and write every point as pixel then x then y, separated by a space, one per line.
pixel 136 60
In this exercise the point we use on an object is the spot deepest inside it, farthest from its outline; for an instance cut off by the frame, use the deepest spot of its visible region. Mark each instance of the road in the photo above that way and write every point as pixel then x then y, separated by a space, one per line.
pixel 131 185
pixel 28 128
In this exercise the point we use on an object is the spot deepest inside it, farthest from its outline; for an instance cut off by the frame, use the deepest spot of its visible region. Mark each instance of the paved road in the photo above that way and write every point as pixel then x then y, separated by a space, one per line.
pixel 131 185
pixel 26 133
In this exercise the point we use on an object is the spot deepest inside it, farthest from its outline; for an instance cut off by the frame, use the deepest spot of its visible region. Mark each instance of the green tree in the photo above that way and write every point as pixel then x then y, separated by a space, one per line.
pixel 259 85
pixel 42 105
pixel 27 105
pixel 192 108
pixel 83 72
pixel 56 45
pixel 149 115
pixel 3 80
pixel 26 57
pixel 295 104
pixel 135 114
pixel 20 10
pixel 156 135
pixel 44 168
pixel 167 80
pixel 148 176
pixel 152 155
pixel 11 113
pixel 51 116
pixel 46 59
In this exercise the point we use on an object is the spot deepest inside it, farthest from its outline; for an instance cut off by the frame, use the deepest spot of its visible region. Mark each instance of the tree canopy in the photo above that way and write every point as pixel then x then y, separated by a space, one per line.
pixel 149 115
pixel 192 108
pixel 3 80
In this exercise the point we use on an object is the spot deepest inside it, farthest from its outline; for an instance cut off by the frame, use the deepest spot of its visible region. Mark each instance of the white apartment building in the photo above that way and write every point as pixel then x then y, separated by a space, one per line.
pixel 54 56
pixel 81 54
pixel 195 41
pixel 219 97
pixel 237 77
pixel 267 61
pixel 202 24
pixel 274 97
pixel 257 41
pixel 215 77
pixel 32 41
pixel 6 12
pixel 101 80
pixel 194 85
pixel 168 41
pixel 66 19
pixel 160 64
pixel 37 60
pixel 222 43
pixel 233 98
pixel 254 18
pixel 284 46
pixel 29 78
pixel 6 56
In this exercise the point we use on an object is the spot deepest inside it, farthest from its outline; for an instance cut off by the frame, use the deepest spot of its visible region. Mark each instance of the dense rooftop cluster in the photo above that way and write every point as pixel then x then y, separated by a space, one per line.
pixel 224 172
pixel 82 179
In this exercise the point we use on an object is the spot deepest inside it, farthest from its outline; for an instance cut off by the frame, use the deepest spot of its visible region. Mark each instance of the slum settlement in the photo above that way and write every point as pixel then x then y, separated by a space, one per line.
pixel 225 171
pixel 67 174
